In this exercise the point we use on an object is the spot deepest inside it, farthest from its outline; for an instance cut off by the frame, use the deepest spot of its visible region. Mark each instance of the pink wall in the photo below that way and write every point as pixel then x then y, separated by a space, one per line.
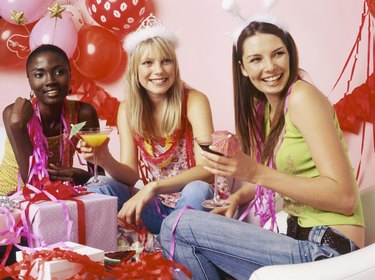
pixel 324 31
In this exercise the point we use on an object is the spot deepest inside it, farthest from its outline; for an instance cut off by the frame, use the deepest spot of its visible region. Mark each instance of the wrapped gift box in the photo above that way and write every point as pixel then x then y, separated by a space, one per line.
pixel 4 226
pixel 63 269
pixel 48 221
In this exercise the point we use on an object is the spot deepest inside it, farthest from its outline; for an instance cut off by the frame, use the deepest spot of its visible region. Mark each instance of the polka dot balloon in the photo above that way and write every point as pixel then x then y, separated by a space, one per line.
pixel 118 15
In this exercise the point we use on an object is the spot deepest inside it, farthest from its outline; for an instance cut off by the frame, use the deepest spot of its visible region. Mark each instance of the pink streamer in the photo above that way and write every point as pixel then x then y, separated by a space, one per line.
pixel 10 225
pixel 39 159
pixel 173 241
pixel 264 202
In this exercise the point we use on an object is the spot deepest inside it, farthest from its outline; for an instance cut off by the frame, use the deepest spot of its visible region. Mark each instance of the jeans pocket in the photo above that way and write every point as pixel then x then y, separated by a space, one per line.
pixel 319 252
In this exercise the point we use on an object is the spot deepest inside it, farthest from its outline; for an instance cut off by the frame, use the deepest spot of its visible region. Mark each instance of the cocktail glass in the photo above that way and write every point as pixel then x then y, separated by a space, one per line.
pixel 95 137
pixel 205 141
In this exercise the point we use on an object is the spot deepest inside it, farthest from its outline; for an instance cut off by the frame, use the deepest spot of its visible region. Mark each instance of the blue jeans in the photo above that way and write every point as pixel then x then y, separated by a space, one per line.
pixel 154 213
pixel 207 244
pixel 112 188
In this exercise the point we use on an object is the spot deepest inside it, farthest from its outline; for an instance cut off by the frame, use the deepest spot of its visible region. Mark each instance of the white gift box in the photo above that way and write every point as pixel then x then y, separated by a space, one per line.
pixel 63 269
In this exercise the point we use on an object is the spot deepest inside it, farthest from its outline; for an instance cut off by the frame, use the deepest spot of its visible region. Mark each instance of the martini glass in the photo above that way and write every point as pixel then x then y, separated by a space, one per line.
pixel 95 137
pixel 205 142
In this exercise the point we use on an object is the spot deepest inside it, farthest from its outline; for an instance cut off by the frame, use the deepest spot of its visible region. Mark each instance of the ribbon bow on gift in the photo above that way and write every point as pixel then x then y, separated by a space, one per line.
pixel 57 191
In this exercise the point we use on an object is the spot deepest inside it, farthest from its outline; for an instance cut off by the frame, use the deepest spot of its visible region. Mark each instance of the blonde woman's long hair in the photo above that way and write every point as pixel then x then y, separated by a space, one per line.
pixel 139 108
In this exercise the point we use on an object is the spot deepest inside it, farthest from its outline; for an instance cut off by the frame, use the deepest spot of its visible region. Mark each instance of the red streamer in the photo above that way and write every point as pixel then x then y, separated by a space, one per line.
pixel 89 269
pixel 358 107
pixel 106 105
pixel 151 266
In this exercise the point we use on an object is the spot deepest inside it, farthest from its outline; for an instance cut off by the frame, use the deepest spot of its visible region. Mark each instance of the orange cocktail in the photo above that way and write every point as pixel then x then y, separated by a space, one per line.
pixel 95 137
pixel 94 140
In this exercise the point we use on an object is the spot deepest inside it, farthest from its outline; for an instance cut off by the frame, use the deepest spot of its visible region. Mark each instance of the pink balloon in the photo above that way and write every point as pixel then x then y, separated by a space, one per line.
pixel 81 6
pixel 60 32
pixel 75 15
pixel 32 9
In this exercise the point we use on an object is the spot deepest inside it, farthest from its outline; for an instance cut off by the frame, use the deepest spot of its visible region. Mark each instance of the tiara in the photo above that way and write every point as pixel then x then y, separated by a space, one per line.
pixel 150 27
pixel 259 18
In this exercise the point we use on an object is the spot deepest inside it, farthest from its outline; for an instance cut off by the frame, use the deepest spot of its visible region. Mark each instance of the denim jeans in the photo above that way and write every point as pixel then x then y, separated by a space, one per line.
pixel 154 213
pixel 207 244
pixel 111 187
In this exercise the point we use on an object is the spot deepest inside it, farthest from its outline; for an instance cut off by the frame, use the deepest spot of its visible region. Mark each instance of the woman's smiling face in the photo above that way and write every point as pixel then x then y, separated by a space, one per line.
pixel 49 77
pixel 265 62
pixel 156 73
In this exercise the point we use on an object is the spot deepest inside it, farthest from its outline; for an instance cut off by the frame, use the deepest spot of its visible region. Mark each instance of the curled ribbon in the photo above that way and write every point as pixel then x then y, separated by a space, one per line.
pixel 150 266
pixel 89 269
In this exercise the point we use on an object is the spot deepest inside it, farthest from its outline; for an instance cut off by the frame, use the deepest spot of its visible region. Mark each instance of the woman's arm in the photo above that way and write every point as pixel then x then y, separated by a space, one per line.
pixel 334 190
pixel 15 117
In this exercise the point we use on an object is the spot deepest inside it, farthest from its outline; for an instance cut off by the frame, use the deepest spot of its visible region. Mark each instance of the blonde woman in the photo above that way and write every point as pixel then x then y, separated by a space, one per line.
pixel 157 123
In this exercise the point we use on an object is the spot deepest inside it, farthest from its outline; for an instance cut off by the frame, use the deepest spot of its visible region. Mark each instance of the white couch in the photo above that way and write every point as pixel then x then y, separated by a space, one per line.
pixel 358 265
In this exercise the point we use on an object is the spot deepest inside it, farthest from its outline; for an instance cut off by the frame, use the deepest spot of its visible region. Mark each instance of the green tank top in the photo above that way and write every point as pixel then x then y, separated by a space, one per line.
pixel 294 157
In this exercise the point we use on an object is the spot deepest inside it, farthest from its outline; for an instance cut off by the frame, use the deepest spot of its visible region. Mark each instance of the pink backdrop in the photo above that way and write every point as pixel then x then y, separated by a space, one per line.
pixel 324 31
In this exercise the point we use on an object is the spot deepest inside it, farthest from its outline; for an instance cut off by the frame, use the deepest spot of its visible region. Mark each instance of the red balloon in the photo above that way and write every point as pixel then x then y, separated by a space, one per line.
pixel 118 15
pixel 14 43
pixel 98 53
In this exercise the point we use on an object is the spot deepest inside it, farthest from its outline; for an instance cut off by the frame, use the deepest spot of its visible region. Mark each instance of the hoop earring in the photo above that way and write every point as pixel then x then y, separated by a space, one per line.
pixel 32 94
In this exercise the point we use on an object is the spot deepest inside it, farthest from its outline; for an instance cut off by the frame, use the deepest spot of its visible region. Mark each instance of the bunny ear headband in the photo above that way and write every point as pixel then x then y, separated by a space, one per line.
pixel 231 7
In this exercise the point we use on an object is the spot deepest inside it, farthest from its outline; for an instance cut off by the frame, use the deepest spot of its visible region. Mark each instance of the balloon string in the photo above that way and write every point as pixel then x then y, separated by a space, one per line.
pixel 355 47
pixel 368 45
pixel 54 31
pixel 30 37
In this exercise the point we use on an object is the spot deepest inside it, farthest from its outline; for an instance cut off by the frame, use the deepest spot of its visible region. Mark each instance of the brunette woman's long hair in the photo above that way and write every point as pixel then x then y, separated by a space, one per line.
pixel 249 102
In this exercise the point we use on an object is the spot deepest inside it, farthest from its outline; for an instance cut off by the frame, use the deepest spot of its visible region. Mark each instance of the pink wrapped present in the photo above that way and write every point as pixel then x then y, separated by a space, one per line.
pixel 8 226
pixel 48 221
pixel 60 269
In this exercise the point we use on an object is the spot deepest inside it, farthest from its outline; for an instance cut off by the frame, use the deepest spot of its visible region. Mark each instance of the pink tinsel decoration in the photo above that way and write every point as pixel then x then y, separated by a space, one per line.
pixel 39 158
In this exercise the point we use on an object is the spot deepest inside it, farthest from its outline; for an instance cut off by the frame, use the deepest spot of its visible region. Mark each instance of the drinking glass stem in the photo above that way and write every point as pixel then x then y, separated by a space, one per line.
pixel 95 180
pixel 216 196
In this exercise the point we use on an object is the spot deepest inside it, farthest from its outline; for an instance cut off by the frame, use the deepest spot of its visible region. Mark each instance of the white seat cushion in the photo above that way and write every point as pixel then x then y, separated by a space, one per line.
pixel 358 265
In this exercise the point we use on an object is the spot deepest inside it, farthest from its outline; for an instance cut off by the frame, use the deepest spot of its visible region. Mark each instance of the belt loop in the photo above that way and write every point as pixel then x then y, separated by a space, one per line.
pixel 317 233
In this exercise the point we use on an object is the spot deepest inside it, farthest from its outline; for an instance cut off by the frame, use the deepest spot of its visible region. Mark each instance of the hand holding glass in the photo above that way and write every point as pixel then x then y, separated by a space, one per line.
pixel 205 142
pixel 94 138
